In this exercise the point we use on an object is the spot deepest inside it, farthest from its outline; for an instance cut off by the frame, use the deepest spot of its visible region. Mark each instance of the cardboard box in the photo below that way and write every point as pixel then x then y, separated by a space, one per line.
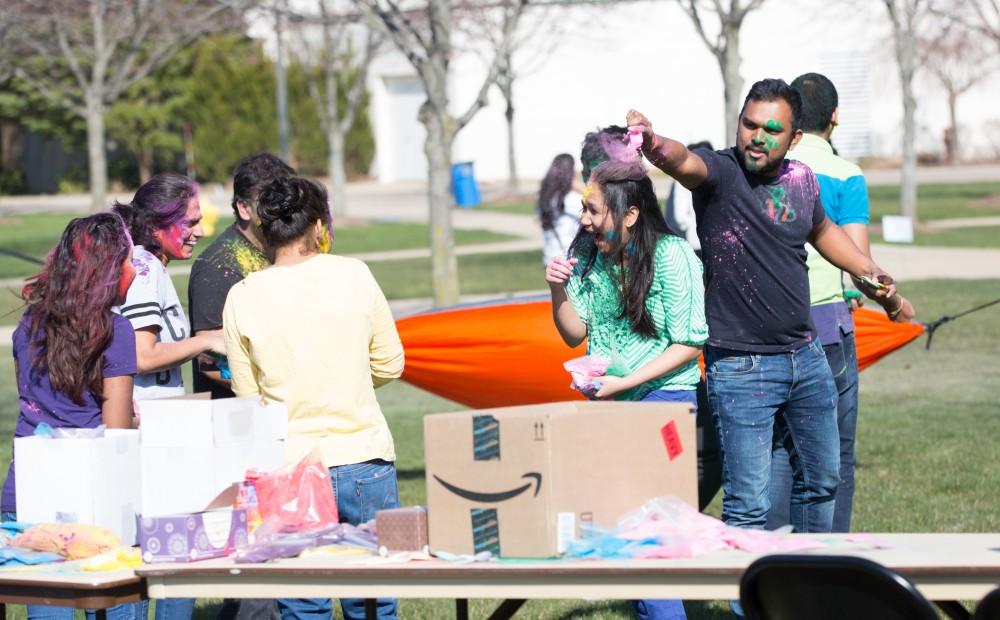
pixel 402 529
pixel 193 449
pixel 192 537
pixel 93 481
pixel 519 481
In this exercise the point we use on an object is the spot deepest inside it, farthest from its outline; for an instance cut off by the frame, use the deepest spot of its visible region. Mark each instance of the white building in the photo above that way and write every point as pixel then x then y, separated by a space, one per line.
pixel 601 61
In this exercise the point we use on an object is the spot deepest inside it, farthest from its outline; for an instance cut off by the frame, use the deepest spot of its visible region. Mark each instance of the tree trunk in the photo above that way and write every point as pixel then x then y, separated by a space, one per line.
pixel 96 156
pixel 444 267
pixel 955 154
pixel 511 158
pixel 908 189
pixel 729 62
pixel 337 178
pixel 144 161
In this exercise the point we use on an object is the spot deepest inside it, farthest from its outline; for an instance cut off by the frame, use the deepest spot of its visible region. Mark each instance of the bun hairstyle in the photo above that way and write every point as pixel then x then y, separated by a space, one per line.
pixel 625 185
pixel 158 204
pixel 289 208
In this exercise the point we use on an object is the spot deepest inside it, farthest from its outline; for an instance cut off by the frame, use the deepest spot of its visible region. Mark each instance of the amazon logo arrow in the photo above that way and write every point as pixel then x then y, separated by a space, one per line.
pixel 490 498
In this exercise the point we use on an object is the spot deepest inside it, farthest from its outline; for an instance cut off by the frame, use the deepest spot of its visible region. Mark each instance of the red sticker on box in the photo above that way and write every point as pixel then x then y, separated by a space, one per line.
pixel 672 440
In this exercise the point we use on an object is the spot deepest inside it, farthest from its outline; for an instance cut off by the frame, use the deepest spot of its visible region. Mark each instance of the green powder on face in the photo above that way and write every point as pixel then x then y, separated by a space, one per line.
pixel 773 125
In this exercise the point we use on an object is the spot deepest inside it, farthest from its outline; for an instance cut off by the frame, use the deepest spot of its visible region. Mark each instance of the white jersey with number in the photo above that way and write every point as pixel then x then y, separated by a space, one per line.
pixel 152 302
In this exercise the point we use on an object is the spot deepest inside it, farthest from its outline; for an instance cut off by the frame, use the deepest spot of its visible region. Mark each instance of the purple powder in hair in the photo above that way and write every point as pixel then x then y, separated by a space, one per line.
pixel 618 148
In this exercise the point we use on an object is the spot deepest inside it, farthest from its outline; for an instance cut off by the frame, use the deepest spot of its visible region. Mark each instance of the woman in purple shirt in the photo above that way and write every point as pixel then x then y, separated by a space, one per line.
pixel 74 359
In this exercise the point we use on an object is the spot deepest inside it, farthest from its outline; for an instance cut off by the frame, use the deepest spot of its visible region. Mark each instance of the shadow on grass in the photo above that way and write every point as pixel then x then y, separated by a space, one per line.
pixel 410 474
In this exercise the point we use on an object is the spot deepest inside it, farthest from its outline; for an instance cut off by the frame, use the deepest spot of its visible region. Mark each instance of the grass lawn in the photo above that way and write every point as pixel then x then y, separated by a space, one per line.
pixel 929 423
pixel 971 237
pixel 934 201
pixel 35 235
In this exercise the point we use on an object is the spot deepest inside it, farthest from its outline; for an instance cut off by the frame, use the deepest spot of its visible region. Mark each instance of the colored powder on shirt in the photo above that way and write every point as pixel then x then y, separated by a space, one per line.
pixel 248 259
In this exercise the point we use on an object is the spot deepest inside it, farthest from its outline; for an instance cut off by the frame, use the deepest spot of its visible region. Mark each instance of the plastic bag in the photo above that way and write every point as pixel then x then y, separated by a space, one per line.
pixel 584 372
pixel 295 498
pixel 587 370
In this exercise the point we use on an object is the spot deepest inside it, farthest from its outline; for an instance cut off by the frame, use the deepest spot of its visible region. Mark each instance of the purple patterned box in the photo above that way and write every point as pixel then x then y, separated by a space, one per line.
pixel 192 537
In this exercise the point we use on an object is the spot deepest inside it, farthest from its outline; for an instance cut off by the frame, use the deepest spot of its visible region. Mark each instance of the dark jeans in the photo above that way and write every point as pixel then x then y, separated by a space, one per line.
pixel 361 489
pixel 843 360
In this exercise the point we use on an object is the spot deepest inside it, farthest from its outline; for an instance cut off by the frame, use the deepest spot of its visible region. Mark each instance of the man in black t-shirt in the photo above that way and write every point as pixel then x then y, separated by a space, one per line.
pixel 766 372
pixel 236 253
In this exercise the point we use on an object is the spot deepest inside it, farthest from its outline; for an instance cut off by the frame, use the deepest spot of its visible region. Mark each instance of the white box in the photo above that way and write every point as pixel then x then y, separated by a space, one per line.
pixel 94 481
pixel 193 449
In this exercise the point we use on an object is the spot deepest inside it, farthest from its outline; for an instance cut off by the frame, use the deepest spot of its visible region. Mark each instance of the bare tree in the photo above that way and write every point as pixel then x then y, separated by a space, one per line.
pixel 905 17
pixel 724 45
pixel 958 58
pixel 981 16
pixel 424 36
pixel 83 54
pixel 541 34
pixel 337 58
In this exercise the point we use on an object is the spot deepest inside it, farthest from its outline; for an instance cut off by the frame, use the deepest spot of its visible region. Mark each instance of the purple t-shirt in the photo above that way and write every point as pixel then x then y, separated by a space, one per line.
pixel 753 230
pixel 39 402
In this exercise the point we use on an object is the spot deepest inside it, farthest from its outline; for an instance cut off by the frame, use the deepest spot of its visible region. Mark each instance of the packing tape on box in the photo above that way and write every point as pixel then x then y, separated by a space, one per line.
pixel 485 530
pixel 485 438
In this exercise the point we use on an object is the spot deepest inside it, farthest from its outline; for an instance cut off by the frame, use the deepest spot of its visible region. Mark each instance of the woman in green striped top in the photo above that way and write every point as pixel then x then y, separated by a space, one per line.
pixel 633 288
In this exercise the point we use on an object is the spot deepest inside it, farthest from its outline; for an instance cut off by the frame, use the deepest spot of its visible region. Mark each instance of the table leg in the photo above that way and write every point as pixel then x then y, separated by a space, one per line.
pixel 507 609
pixel 461 609
pixel 371 609
pixel 101 614
pixel 953 610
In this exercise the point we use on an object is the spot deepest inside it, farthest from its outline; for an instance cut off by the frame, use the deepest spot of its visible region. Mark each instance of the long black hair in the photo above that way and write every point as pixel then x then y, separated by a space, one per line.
pixel 556 184
pixel 626 185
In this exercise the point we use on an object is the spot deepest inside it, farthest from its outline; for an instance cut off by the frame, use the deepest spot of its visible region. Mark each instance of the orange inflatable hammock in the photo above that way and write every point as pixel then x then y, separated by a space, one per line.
pixel 507 352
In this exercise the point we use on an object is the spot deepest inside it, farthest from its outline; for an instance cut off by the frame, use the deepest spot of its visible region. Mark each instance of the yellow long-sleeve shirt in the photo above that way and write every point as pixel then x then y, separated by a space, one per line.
pixel 318 337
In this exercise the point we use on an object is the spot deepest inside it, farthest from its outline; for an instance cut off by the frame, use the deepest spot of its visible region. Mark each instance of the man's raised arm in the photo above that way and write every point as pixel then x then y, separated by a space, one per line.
pixel 668 155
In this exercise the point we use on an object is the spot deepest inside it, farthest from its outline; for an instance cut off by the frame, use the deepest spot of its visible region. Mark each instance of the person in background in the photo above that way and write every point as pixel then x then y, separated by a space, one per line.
pixel 844 194
pixel 634 291
pixel 558 207
pixel 315 332
pixel 236 253
pixel 74 359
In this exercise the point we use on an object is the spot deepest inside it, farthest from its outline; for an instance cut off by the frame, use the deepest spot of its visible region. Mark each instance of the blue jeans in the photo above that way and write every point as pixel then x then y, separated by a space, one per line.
pixel 127 611
pixel 665 609
pixel 753 394
pixel 843 360
pixel 361 489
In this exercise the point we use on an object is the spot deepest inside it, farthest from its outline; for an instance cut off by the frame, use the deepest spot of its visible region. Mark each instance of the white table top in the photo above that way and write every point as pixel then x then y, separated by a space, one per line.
pixel 943 567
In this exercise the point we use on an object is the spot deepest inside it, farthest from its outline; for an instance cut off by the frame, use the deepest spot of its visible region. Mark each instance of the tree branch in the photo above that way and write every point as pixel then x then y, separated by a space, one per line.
pixel 512 15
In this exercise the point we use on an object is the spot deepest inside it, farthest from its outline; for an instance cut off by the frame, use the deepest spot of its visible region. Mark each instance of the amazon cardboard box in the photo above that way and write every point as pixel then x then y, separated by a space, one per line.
pixel 519 481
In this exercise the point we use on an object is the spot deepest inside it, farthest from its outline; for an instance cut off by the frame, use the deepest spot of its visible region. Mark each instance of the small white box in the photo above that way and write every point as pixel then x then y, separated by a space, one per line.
pixel 897 229
pixel 94 481
pixel 193 449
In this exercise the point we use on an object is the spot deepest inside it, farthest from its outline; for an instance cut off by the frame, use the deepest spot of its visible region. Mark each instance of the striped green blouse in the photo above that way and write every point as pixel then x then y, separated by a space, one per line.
pixel 676 302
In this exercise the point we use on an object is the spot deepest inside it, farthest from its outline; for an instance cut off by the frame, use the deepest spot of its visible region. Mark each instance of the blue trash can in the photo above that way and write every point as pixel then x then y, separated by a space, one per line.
pixel 463 185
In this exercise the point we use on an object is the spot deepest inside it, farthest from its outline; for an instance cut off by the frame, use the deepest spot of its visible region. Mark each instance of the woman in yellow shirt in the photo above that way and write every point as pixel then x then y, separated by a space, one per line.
pixel 314 332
